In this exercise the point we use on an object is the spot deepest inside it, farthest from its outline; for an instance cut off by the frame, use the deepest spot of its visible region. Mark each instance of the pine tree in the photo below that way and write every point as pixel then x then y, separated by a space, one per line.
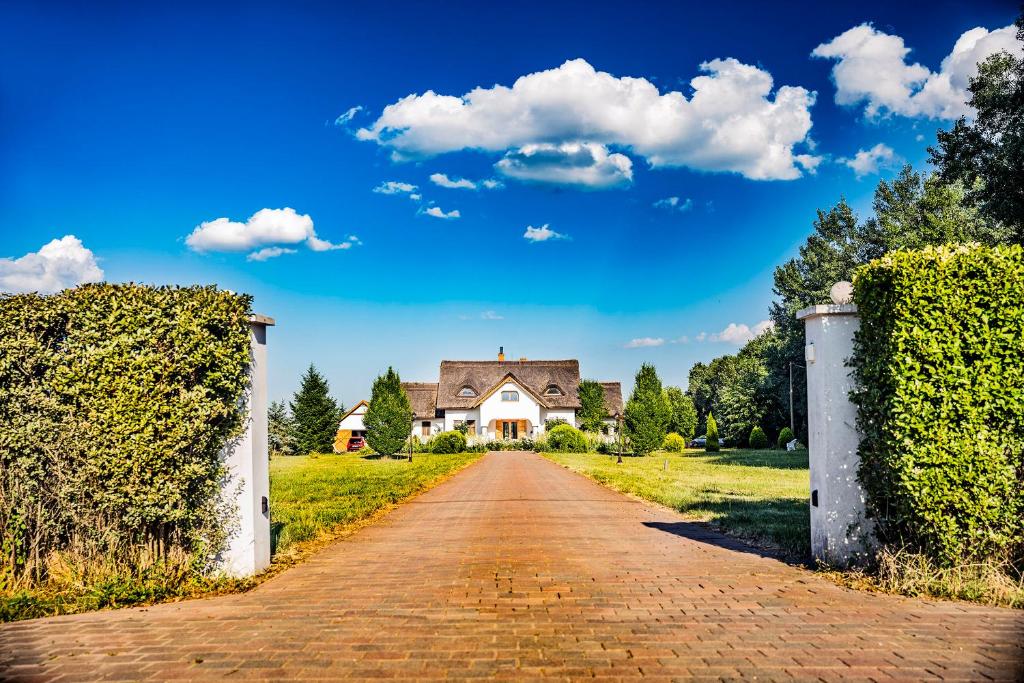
pixel 711 445
pixel 314 414
pixel 592 408
pixel 280 429
pixel 388 418
pixel 647 412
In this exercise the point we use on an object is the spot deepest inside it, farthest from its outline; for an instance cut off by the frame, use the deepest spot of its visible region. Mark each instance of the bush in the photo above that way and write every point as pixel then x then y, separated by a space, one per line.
pixel 115 404
pixel 674 443
pixel 711 445
pixel 554 422
pixel 448 442
pixel 939 363
pixel 757 438
pixel 785 436
pixel 565 438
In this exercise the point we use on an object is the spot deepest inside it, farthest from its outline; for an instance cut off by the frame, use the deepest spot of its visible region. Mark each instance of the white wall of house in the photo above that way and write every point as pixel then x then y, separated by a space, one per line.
pixel 354 421
pixel 453 416
pixel 567 414
pixel 526 408
pixel 436 427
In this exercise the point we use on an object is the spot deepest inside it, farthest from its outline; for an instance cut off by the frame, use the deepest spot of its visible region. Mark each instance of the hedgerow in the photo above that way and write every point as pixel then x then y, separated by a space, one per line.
pixel 116 401
pixel 939 360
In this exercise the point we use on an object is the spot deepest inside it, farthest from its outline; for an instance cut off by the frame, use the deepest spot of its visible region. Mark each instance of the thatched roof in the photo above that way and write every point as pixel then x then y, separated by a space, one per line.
pixel 423 397
pixel 482 375
pixel 612 398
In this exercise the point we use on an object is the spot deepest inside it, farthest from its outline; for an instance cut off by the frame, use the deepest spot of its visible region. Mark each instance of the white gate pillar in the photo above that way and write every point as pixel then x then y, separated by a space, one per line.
pixel 838 524
pixel 248 463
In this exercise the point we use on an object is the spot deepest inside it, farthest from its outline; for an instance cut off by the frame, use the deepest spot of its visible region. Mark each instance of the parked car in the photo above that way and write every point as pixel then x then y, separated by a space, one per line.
pixel 702 441
pixel 356 443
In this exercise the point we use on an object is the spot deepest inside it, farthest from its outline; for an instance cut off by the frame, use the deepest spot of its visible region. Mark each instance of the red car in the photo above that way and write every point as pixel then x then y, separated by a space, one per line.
pixel 356 443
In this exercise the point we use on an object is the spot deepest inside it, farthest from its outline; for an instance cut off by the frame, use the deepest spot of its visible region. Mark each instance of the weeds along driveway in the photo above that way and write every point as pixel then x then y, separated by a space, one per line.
pixel 517 567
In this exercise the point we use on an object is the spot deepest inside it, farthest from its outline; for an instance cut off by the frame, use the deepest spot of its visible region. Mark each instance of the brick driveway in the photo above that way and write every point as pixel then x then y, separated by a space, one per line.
pixel 519 568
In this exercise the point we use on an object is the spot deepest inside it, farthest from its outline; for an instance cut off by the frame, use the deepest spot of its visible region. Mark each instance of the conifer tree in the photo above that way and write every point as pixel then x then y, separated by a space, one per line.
pixel 711 445
pixel 647 412
pixel 592 408
pixel 388 418
pixel 280 429
pixel 314 414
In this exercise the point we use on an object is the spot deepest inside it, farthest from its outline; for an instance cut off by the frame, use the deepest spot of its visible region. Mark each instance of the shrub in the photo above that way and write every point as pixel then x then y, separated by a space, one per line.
pixel 115 404
pixel 565 438
pixel 711 445
pixel 554 422
pixel 757 438
pixel 939 363
pixel 448 442
pixel 647 412
pixel 785 436
pixel 674 443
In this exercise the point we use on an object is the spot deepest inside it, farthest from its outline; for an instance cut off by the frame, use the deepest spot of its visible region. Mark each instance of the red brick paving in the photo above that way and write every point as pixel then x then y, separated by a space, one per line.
pixel 517 568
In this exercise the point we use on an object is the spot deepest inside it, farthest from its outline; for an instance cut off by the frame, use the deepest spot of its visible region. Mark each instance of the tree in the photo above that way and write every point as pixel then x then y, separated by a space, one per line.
pixel 647 412
pixel 314 414
pixel 682 413
pixel 592 409
pixel 987 155
pixel 280 429
pixel 388 418
pixel 757 438
pixel 711 445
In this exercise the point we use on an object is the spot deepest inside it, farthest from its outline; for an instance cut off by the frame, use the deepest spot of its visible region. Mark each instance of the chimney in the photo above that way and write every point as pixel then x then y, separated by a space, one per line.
pixel 501 354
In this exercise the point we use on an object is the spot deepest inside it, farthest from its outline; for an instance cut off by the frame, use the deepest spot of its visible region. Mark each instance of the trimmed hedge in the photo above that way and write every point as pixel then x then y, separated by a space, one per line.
pixel 115 403
pixel 674 443
pixel 757 438
pixel 785 436
pixel 565 438
pixel 711 442
pixel 448 443
pixel 939 360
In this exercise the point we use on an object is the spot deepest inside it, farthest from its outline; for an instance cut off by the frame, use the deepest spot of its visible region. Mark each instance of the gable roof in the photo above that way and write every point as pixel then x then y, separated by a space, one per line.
pixel 423 397
pixel 483 375
pixel 502 382
pixel 612 398
pixel 363 403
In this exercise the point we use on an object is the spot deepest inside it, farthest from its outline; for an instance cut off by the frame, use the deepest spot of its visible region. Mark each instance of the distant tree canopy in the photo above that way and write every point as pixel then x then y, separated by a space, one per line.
pixel 314 414
pixel 986 155
pixel 592 408
pixel 388 418
pixel 682 413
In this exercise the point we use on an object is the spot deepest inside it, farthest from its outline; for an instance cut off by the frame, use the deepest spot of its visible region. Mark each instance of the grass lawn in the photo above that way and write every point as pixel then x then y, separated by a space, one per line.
pixel 760 496
pixel 316 496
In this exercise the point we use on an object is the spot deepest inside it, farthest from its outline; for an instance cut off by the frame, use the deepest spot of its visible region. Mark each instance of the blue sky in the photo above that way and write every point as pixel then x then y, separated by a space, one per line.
pixel 134 129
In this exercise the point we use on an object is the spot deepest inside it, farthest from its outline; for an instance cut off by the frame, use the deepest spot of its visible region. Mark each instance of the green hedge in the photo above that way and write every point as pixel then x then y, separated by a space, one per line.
pixel 939 360
pixel 448 443
pixel 758 439
pixel 673 443
pixel 116 401
pixel 564 438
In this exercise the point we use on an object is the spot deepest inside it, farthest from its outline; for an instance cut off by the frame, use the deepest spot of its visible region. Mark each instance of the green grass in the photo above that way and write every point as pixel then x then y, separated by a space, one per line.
pixel 315 495
pixel 760 496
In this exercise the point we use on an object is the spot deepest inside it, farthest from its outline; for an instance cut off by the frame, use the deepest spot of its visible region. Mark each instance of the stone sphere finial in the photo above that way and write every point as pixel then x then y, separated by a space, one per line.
pixel 841 292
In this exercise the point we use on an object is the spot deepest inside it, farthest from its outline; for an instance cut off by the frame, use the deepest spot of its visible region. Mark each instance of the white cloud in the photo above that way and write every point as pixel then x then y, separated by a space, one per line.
pixel 584 164
pixel 492 184
pixel 733 121
pixel 269 253
pixel 542 234
pixel 870 161
pixel 674 204
pixel 452 183
pixel 681 340
pixel 57 265
pixel 265 230
pixel 344 119
pixel 871 67
pixel 395 187
pixel 738 334
pixel 643 342
pixel 491 315
pixel 438 212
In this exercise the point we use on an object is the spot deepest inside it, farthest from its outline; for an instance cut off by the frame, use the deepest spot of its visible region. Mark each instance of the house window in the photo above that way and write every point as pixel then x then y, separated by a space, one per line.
pixel 510 396
pixel 467 392
pixel 552 390
pixel 425 426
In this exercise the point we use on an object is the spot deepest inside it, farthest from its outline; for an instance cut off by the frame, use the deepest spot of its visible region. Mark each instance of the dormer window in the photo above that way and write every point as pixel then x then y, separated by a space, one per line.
pixel 510 396
pixel 552 390
pixel 467 392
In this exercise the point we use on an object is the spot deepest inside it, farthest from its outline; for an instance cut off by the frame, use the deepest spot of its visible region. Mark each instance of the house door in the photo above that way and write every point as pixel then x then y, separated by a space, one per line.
pixel 509 429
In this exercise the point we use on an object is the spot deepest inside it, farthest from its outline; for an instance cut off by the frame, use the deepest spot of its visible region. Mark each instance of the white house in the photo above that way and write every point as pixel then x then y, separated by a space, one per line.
pixel 503 399
pixel 351 425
